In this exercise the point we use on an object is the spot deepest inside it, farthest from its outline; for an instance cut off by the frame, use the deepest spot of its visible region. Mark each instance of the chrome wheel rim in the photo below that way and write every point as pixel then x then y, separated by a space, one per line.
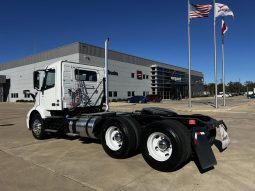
pixel 37 127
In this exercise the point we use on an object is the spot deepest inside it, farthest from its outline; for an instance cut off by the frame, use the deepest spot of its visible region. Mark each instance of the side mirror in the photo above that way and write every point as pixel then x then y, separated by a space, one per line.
pixel 36 79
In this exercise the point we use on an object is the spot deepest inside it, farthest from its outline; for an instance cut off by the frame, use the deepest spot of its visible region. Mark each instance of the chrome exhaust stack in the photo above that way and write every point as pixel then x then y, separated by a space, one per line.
pixel 106 74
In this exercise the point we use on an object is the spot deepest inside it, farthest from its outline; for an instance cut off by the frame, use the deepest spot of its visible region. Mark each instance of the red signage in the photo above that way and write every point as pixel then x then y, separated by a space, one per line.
pixel 139 75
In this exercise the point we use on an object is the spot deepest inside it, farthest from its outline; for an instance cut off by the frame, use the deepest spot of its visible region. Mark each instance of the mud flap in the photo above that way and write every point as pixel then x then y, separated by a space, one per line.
pixel 202 148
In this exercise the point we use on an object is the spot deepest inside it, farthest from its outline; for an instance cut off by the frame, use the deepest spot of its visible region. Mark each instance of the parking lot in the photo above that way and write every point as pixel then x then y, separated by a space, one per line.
pixel 74 164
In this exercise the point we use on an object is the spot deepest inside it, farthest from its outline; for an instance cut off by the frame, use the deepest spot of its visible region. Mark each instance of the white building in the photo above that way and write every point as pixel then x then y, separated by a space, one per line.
pixel 128 75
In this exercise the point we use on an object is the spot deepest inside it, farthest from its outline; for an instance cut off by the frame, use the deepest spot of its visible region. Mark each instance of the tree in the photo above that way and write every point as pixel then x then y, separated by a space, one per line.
pixel 234 87
pixel 250 85
pixel 210 88
pixel 231 87
pixel 220 88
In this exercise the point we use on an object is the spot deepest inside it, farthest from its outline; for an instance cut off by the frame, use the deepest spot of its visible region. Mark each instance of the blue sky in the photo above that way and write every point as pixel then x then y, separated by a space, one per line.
pixel 153 29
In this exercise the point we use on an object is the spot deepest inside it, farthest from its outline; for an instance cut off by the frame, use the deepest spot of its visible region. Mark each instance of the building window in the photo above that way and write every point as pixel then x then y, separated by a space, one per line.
pixel 129 94
pixel 110 94
pixel 14 95
pixel 145 93
pixel 115 94
pixel 133 93
pixel 144 76
pixel 132 75
pixel 147 76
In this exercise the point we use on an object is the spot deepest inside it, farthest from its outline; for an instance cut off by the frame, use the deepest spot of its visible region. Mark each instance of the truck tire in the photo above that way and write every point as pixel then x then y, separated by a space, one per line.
pixel 119 138
pixel 37 127
pixel 166 145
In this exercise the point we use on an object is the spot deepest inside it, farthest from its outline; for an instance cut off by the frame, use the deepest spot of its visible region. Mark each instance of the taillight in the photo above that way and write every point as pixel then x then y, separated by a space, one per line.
pixel 192 122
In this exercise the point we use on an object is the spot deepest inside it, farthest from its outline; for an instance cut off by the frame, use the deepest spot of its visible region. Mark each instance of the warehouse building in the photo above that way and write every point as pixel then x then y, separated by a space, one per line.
pixel 128 75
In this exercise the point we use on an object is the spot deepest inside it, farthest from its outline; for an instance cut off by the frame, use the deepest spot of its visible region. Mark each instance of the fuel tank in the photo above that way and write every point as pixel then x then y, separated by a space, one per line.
pixel 84 126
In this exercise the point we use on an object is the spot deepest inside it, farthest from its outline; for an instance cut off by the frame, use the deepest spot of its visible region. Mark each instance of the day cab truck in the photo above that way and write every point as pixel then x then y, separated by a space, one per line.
pixel 72 100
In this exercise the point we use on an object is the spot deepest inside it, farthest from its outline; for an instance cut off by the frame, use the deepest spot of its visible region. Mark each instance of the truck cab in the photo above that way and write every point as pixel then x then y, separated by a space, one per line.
pixel 64 86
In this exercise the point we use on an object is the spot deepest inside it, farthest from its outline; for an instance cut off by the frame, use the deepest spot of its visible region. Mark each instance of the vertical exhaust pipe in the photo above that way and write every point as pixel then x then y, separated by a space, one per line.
pixel 106 74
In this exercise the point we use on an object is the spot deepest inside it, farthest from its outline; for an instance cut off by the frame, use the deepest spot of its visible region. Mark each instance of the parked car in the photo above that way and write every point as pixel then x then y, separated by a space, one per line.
pixel 252 96
pixel 230 94
pixel 137 99
pixel 221 95
pixel 153 98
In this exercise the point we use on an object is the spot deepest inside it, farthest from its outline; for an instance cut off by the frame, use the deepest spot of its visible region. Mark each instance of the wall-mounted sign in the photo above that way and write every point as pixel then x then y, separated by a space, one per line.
pixel 139 75
pixel 176 79
pixel 113 73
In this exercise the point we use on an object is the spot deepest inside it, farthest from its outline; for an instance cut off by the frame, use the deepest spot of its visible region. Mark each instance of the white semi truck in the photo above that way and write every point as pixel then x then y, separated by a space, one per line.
pixel 72 99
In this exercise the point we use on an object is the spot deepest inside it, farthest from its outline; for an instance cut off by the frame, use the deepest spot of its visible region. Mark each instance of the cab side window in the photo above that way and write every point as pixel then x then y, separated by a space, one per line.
pixel 85 75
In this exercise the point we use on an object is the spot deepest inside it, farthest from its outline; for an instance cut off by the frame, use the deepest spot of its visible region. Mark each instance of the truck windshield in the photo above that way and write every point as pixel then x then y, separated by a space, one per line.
pixel 49 79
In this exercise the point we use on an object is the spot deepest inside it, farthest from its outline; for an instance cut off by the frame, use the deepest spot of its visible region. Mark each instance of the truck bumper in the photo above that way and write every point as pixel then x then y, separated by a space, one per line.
pixel 225 140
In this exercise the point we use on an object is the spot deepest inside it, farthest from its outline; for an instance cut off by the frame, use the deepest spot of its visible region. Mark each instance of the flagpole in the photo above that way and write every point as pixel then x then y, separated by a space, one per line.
pixel 189 57
pixel 223 68
pixel 215 56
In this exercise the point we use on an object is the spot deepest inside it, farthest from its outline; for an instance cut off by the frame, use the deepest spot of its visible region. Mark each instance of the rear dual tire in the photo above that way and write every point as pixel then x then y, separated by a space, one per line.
pixel 166 145
pixel 120 137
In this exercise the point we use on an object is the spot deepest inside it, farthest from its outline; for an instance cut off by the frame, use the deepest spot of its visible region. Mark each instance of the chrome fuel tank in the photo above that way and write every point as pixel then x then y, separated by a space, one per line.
pixel 84 126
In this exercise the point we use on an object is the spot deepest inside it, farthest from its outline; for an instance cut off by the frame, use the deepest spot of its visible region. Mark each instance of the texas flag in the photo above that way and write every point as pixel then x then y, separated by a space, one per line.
pixel 222 10
pixel 224 27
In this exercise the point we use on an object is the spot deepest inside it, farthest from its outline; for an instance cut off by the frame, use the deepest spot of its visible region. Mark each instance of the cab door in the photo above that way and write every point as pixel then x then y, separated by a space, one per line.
pixel 48 98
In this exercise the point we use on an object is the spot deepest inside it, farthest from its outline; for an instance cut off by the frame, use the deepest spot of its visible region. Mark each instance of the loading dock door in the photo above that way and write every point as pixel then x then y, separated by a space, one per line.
pixel 2 82
pixel 4 88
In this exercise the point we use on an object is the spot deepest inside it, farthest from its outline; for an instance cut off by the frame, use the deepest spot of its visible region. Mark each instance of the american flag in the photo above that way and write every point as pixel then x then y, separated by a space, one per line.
pixel 199 10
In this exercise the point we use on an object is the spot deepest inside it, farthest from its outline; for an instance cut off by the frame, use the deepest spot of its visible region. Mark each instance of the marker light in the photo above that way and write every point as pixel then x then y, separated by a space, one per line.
pixel 192 122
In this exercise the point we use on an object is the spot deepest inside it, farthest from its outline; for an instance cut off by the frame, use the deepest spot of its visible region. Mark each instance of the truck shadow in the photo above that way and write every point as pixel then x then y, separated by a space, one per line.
pixel 193 158
pixel 85 140
pixel 202 171
pixel 5 125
